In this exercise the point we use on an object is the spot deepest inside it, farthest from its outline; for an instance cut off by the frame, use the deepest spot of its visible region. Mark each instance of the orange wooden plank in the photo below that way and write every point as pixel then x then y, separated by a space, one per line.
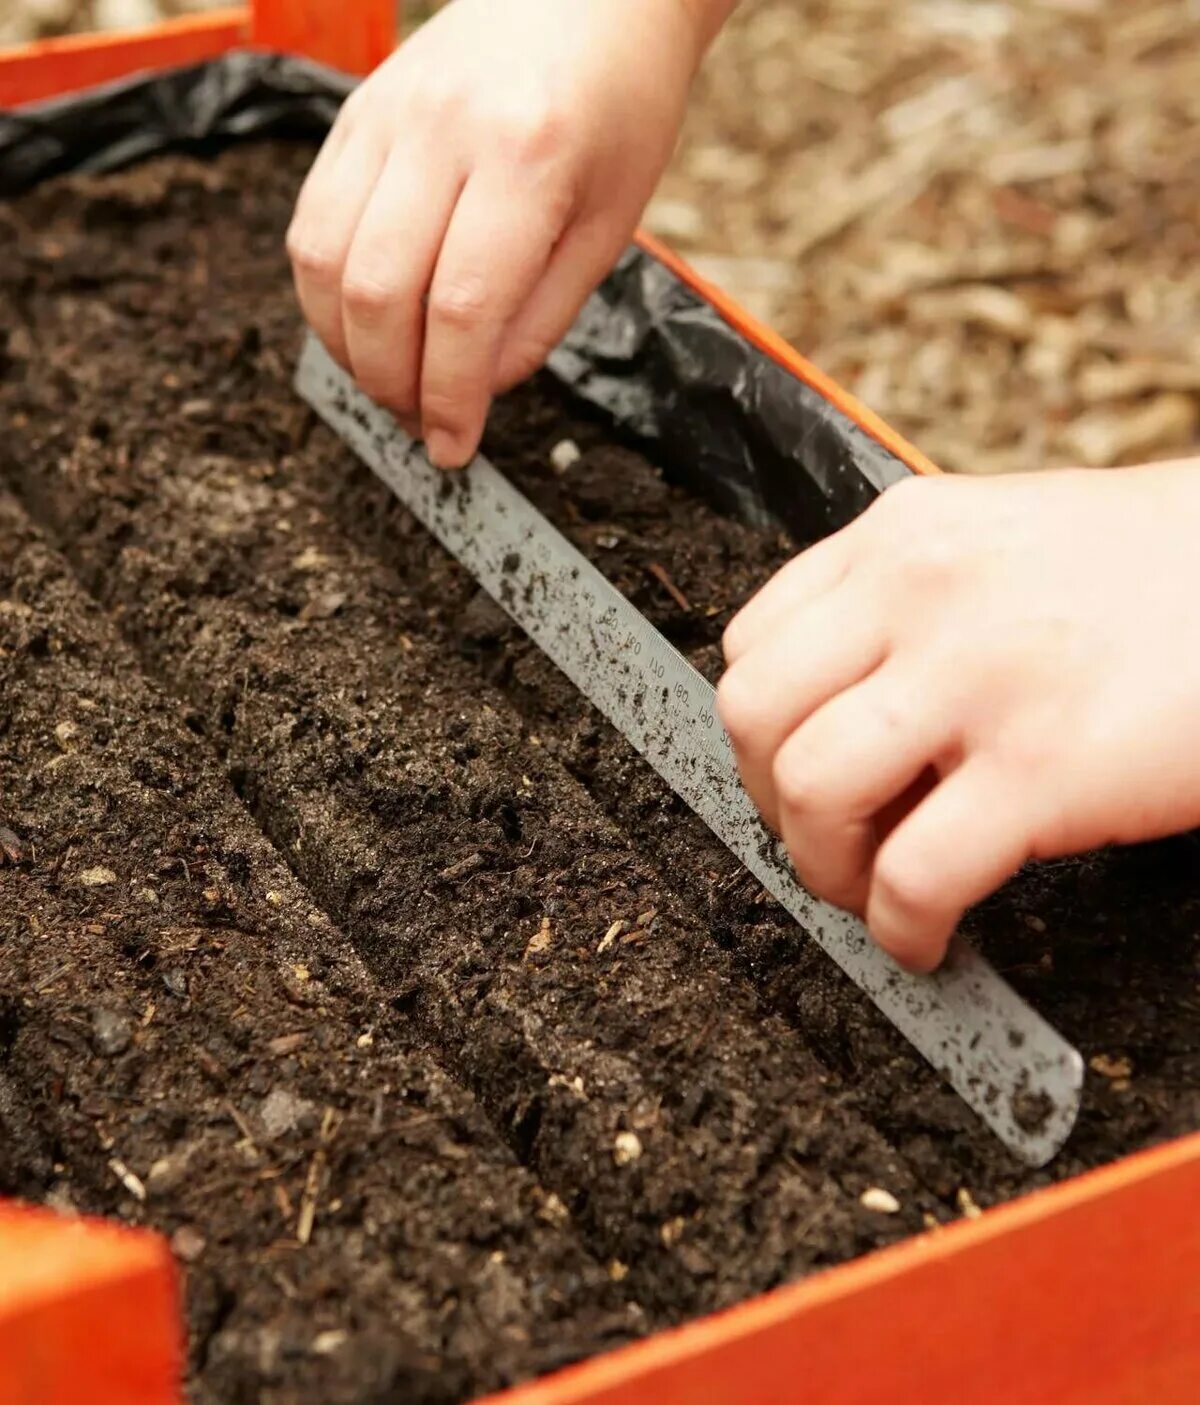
pixel 89 1312
pixel 1084 1294
pixel 56 66
pixel 355 36
pixel 788 357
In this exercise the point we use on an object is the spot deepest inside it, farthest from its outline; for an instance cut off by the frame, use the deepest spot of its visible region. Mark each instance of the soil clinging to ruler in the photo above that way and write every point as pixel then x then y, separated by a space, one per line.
pixel 702 1093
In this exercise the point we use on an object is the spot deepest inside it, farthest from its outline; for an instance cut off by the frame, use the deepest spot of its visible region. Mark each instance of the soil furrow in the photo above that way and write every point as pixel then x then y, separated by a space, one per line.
pixel 186 1041
pixel 697 1143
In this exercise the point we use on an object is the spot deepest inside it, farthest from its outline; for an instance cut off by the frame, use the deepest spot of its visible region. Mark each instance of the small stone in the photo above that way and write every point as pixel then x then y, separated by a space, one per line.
pixel 364 1041
pixel 553 1211
pixel 672 1232
pixel 282 1112
pixel 564 455
pixel 326 1343
pixel 97 877
pixel 627 1148
pixel 608 540
pixel 1106 1067
pixel 176 982
pixel 112 1033
pixel 881 1201
pixel 275 899
pixel 187 1244
pixel 65 733
pixel 966 1204
pixel 1034 923
pixel 618 1271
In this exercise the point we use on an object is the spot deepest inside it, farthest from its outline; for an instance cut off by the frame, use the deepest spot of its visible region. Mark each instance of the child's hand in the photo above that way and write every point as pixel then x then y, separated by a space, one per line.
pixel 975 673
pixel 478 186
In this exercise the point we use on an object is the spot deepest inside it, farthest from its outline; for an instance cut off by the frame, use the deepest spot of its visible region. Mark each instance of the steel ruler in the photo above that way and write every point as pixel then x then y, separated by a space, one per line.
pixel 1011 1067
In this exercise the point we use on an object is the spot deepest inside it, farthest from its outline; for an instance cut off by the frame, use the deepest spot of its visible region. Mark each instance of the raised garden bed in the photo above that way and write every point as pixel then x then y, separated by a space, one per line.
pixel 562 1075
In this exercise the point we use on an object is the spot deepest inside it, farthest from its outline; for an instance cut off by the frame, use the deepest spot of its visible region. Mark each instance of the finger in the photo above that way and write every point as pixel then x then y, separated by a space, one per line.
pixel 322 230
pixel 497 247
pixel 857 755
pixel 580 262
pixel 960 844
pixel 806 577
pixel 388 272
pixel 824 648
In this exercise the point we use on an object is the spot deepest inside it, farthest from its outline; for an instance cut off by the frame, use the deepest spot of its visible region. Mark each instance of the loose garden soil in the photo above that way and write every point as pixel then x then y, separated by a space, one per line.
pixel 343 941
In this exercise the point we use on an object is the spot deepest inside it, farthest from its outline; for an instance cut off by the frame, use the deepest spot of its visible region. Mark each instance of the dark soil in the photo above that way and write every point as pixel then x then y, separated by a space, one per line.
pixel 696 1095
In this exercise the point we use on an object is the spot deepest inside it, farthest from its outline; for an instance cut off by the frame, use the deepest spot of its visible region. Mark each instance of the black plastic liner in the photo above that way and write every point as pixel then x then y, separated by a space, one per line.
pixel 721 415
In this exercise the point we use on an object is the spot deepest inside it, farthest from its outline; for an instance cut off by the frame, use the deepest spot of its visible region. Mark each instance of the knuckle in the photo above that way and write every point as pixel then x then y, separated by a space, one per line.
pixel 797 786
pixel 906 885
pixel 463 302
pixel 367 298
pixel 311 258
pixel 740 706
pixel 533 135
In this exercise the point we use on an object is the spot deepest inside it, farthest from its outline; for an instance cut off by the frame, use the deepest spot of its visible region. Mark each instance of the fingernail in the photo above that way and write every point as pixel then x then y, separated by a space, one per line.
pixel 444 449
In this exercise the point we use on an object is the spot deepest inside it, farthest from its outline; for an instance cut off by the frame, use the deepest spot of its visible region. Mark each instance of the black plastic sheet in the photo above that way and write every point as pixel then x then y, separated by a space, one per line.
pixel 722 416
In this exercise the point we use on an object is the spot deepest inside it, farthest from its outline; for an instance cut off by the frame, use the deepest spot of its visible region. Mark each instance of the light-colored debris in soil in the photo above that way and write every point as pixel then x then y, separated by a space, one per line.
pixel 98 877
pixel 966 1204
pixel 564 455
pixel 627 1148
pixel 553 1211
pixel 131 1182
pixel 618 1271
pixel 1112 1068
pixel 609 939
pixel 541 940
pixel 188 1244
pixel 881 1201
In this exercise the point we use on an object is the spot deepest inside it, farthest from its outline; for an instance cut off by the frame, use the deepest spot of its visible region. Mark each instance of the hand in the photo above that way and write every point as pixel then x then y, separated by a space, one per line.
pixel 975 673
pixel 478 186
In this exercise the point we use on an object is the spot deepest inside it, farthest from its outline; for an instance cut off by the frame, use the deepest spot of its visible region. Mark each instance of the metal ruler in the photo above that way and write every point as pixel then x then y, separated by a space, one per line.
pixel 1017 1072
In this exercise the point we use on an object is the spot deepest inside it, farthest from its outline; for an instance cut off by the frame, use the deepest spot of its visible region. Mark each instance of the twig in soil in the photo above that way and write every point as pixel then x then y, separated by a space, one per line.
pixel 53 977
pixel 660 575
pixel 312 1183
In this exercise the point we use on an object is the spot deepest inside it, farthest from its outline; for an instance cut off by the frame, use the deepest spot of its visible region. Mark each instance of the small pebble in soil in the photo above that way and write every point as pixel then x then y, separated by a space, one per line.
pixel 564 455
pixel 187 1244
pixel 618 1271
pixel 881 1201
pixel 627 1148
pixel 98 877
pixel 65 733
pixel 112 1032
pixel 282 1111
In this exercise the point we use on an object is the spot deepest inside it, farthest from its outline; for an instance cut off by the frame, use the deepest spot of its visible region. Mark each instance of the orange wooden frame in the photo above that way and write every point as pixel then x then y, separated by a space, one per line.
pixel 88 1312
pixel 1085 1294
